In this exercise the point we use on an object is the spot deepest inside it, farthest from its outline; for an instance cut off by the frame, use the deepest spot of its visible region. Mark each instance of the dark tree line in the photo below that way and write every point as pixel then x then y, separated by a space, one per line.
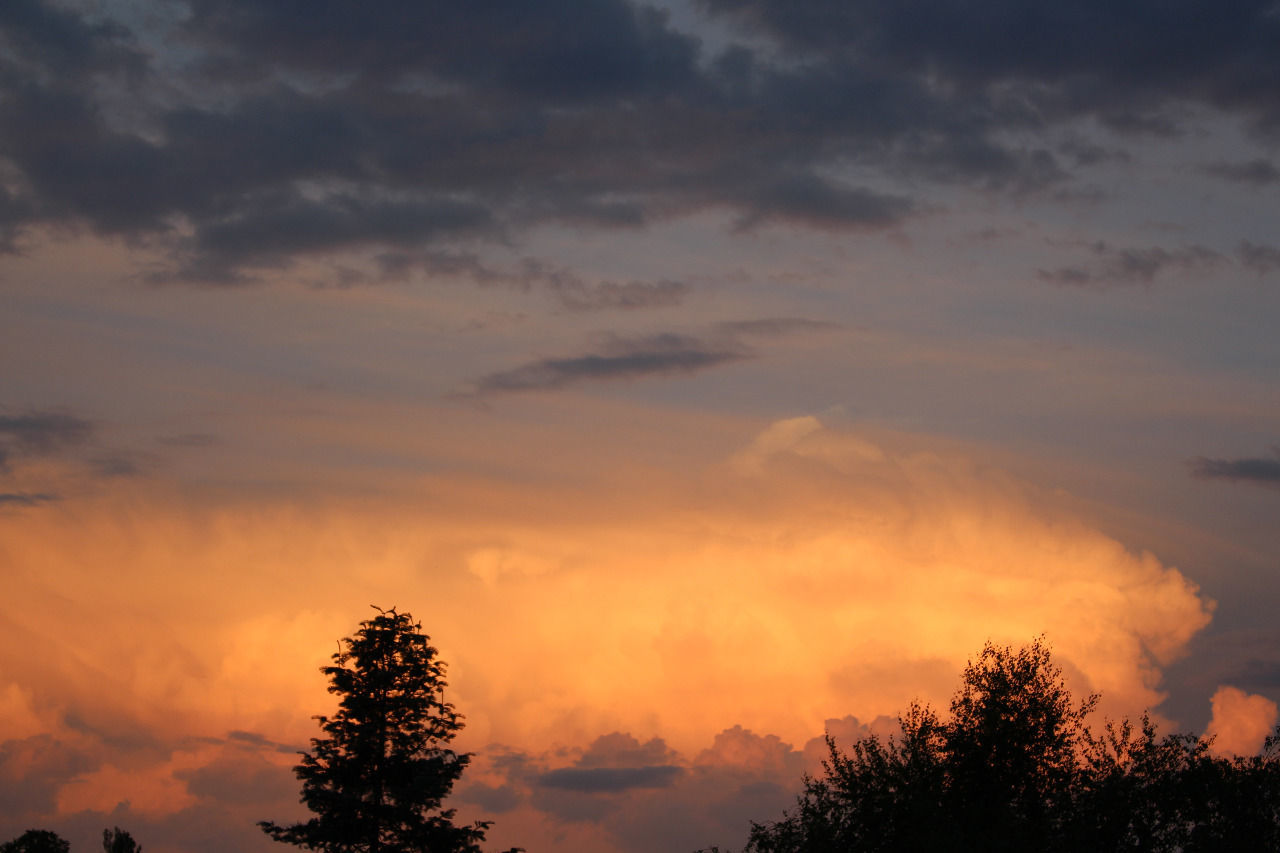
pixel 1015 767
pixel 114 840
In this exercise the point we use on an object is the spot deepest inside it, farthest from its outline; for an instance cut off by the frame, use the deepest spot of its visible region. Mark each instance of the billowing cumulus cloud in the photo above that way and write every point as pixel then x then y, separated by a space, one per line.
pixel 1240 722
pixel 815 573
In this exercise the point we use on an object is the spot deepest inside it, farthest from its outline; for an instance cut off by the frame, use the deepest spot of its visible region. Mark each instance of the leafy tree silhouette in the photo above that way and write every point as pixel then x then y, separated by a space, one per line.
pixel 118 841
pixel 1016 768
pixel 377 780
pixel 36 841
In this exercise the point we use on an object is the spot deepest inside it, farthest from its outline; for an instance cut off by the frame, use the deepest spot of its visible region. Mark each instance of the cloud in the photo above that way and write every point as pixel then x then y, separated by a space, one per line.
pixel 610 779
pixel 617 358
pixel 1122 266
pixel 1086 56
pixel 1240 722
pixel 810 200
pixel 1259 470
pixel 1260 258
pixel 568 287
pixel 665 354
pixel 776 326
pixel 429 128
pixel 40 434
pixel 1257 173
pixel 26 498
pixel 722 614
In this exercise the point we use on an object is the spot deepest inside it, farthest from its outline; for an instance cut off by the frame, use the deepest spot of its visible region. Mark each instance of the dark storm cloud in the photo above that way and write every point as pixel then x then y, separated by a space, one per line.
pixel 1127 265
pixel 248 136
pixel 1261 471
pixel 1122 59
pixel 618 358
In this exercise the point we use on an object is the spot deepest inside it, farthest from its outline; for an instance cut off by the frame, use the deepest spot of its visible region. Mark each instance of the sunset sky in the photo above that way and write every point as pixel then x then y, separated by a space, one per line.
pixel 704 376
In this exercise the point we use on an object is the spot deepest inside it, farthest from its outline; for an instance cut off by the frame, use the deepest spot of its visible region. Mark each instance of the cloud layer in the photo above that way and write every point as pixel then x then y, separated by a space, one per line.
pixel 812 575
pixel 378 131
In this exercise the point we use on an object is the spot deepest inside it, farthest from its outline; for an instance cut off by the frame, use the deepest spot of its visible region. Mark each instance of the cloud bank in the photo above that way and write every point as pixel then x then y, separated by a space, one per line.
pixel 815 573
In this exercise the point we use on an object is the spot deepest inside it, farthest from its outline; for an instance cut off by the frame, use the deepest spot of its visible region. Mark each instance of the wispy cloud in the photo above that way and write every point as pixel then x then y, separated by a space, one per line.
pixel 40 434
pixel 1114 266
pixel 571 289
pixel 1260 258
pixel 664 354
pixel 1254 172
pixel 26 498
pixel 1261 470
pixel 617 358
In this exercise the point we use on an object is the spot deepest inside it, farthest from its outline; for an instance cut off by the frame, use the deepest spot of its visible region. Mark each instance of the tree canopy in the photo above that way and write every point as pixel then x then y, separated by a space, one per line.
pixel 377 780
pixel 1015 767
pixel 117 840
pixel 36 841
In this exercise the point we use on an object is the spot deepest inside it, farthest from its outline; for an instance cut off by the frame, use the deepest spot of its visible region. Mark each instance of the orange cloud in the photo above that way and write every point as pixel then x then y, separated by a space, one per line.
pixel 810 574
pixel 1240 722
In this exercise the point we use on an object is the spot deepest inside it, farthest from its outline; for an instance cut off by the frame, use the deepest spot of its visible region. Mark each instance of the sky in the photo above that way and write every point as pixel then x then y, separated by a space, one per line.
pixel 705 377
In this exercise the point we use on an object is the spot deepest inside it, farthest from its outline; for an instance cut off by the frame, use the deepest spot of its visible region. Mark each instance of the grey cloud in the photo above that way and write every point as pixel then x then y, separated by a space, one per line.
pixel 1255 172
pixel 568 287
pixel 618 358
pixel 40 434
pixel 1261 471
pixel 1144 54
pixel 644 796
pixel 293 129
pixel 1260 258
pixel 26 498
pixel 813 201
pixel 33 769
pixel 239 779
pixel 286 225
pixel 188 439
pixel 254 739
pixel 119 465
pixel 776 326
pixel 1117 266
pixel 609 780
pixel 495 799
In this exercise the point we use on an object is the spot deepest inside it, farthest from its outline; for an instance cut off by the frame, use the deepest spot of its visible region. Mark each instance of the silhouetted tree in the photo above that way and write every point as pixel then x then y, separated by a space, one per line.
pixel 1016 768
pixel 377 780
pixel 36 841
pixel 118 841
